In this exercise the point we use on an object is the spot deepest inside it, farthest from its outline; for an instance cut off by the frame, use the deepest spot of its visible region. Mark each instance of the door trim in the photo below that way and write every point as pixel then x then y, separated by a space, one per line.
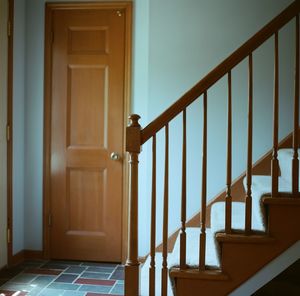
pixel 10 136
pixel 49 8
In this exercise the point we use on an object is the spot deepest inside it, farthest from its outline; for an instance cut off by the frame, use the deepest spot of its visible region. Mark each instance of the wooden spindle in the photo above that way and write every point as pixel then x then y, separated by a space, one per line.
pixel 228 198
pixel 164 272
pixel 204 177
pixel 274 163
pixel 295 161
pixel 183 196
pixel 248 216
pixel 153 222
pixel 133 146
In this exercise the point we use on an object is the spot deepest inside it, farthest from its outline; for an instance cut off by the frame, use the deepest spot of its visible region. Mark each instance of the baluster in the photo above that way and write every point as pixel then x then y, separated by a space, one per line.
pixel 249 150
pixel 153 221
pixel 183 197
pixel 164 273
pixel 133 146
pixel 274 163
pixel 228 197
pixel 295 162
pixel 203 200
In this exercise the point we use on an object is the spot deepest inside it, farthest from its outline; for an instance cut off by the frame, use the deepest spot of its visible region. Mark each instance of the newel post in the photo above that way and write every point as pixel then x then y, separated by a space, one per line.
pixel 133 147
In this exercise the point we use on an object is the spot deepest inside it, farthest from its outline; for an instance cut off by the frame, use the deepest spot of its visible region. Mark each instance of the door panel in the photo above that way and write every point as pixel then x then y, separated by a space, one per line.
pixel 86 127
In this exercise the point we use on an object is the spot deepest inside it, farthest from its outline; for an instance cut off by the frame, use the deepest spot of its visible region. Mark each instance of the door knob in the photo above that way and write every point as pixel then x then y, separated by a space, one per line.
pixel 115 156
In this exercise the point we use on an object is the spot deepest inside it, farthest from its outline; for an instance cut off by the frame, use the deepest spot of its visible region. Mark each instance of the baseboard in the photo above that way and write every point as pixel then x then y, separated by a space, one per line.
pixel 23 255
pixel 3 268
pixel 17 258
pixel 261 167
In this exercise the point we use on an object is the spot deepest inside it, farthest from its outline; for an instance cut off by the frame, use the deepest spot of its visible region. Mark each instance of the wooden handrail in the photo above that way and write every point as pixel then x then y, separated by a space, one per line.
pixel 217 73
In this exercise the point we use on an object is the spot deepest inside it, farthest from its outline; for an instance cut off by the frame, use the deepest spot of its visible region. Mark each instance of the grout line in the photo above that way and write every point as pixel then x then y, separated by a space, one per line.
pixel 113 272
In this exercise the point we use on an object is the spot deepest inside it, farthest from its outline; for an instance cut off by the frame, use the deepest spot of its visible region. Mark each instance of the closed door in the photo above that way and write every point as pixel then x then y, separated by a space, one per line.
pixel 87 90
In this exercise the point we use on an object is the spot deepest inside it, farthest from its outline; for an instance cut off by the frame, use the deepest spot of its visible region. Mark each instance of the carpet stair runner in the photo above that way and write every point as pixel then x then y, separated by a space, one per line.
pixel 261 186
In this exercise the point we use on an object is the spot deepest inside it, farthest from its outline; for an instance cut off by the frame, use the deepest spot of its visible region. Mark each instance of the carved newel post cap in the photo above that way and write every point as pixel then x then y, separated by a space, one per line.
pixel 134 118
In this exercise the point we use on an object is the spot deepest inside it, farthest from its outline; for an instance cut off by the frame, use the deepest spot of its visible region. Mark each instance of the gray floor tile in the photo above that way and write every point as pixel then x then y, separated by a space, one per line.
pixel 51 292
pixel 94 288
pixel 99 264
pixel 17 287
pixel 74 293
pixel 95 275
pixel 118 289
pixel 63 286
pixel 23 278
pixel 67 278
pixel 100 269
pixel 76 269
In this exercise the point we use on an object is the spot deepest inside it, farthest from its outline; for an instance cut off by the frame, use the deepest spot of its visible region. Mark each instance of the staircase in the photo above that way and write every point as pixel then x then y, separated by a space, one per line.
pixel 244 234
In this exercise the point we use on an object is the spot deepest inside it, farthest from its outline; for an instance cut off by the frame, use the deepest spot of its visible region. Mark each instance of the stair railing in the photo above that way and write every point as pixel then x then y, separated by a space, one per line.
pixel 136 137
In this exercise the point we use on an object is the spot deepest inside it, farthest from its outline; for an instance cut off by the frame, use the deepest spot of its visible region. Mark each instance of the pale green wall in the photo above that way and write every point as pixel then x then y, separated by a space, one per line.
pixel 3 114
pixel 19 131
pixel 187 39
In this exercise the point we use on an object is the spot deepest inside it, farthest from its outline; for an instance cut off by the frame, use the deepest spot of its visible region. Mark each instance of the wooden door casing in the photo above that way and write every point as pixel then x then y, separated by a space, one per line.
pixel 80 163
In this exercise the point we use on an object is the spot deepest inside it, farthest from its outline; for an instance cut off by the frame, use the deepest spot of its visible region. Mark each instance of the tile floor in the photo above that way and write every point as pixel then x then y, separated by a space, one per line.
pixel 63 278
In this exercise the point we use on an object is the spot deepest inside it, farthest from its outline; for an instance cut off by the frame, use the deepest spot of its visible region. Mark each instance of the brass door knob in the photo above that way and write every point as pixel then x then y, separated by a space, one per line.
pixel 115 156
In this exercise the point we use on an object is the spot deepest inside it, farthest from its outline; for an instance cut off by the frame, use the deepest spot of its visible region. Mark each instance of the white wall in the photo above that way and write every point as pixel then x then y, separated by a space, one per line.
pixel 18 125
pixel 3 117
pixel 175 44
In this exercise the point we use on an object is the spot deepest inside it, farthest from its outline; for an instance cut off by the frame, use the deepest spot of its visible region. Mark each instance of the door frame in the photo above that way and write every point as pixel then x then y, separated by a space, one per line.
pixel 11 260
pixel 49 8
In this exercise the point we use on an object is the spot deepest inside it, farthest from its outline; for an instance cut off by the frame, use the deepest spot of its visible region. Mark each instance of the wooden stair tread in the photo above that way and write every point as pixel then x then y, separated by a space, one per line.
pixel 242 238
pixel 194 273
pixel 288 201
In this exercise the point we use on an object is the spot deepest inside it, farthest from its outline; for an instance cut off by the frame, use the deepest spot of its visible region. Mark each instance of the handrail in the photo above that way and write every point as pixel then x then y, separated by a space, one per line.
pixel 217 73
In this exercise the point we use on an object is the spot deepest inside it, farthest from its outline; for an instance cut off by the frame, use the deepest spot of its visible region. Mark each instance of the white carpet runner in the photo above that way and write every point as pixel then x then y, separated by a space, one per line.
pixel 261 185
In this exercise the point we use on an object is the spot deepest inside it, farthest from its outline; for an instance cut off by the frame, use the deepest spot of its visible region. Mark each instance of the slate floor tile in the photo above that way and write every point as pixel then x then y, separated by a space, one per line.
pixel 100 269
pixel 99 264
pixel 118 274
pixel 67 278
pixel 76 269
pixel 17 287
pixel 52 292
pixel 100 294
pixel 95 275
pixel 55 266
pixel 62 278
pixel 118 289
pixel 23 278
pixel 93 288
pixel 63 286
pixel 94 282
pixel 74 293
pixel 42 271
pixel 10 293
pixel 43 280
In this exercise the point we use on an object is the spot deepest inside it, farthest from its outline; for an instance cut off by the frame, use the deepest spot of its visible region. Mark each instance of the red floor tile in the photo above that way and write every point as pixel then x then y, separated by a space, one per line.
pixel 43 271
pixel 95 282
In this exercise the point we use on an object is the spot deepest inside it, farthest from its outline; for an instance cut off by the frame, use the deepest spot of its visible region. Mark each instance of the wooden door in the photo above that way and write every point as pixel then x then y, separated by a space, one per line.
pixel 87 91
